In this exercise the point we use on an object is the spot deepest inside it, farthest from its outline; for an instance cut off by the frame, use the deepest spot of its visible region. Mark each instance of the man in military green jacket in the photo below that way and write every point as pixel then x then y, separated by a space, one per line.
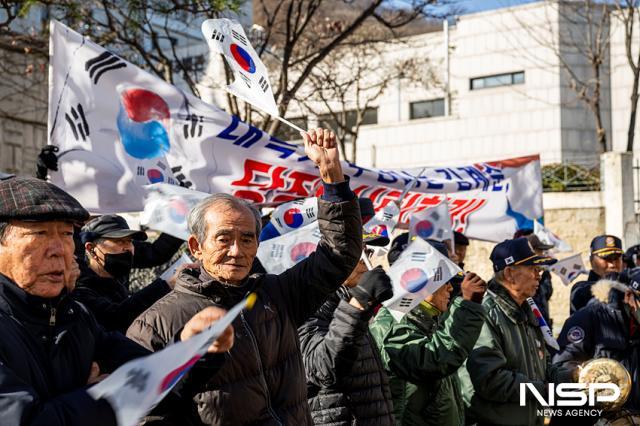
pixel 422 353
pixel 511 348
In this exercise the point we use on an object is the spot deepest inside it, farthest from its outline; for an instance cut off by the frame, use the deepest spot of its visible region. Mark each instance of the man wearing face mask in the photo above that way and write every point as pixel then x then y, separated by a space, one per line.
pixel 104 285
pixel 606 262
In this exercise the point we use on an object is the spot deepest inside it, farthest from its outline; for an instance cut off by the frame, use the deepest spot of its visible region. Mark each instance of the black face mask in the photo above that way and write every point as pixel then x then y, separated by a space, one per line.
pixel 118 265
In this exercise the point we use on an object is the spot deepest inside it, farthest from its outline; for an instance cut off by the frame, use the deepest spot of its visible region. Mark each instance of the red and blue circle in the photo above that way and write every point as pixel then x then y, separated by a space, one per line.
pixel 178 210
pixel 155 176
pixel 380 230
pixel 173 377
pixel 301 251
pixel 424 229
pixel 243 58
pixel 293 218
pixel 413 280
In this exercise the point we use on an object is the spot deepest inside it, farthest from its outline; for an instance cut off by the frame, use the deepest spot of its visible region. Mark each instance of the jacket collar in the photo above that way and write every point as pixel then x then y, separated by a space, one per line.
pixel 200 282
pixel 517 314
pixel 593 276
pixel 15 302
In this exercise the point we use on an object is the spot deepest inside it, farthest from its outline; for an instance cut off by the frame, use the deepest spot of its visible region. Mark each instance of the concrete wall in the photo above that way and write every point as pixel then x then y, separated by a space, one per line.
pixel 575 217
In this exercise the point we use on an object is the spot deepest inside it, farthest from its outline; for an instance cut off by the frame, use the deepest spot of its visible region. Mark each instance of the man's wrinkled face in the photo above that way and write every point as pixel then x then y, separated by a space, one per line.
pixel 230 245
pixel 525 279
pixel 440 298
pixel 38 256
pixel 606 265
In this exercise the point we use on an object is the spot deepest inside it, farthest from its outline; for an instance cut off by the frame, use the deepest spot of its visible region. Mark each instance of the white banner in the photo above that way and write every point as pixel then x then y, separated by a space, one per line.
pixel 419 272
pixel 251 78
pixel 119 128
pixel 281 253
pixel 432 223
pixel 569 268
pixel 546 236
pixel 139 385
pixel 167 208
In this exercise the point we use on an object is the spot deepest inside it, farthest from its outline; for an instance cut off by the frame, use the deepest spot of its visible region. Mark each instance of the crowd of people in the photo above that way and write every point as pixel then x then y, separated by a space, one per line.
pixel 317 347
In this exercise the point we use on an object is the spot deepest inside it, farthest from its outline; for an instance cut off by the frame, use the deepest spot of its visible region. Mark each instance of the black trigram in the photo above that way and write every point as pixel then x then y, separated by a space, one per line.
pixel 189 130
pixel 239 37
pixel 140 171
pixel 137 379
pixel 577 267
pixel 310 212
pixel 161 166
pixel 435 216
pixel 563 271
pixel 78 123
pixel 277 250
pixel 264 85
pixel 102 64
pixel 437 274
pixel 418 256
pixel 182 179
pixel 387 216
pixel 439 234
pixel 405 302
pixel 217 35
pixel 246 79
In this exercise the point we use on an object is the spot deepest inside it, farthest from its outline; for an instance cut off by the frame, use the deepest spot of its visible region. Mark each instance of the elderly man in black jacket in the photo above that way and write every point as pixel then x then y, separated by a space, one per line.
pixel 51 347
pixel 263 379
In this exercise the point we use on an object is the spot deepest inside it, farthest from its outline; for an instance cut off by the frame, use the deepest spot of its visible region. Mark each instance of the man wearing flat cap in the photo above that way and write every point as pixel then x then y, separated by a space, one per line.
pixel 606 262
pixel 103 287
pixel 51 347
pixel 511 349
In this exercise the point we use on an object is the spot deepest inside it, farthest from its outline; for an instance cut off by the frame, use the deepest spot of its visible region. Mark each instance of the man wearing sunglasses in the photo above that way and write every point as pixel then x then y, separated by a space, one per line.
pixel 606 262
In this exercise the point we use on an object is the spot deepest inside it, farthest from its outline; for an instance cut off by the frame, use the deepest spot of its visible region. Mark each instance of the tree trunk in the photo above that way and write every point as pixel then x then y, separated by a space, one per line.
pixel 634 110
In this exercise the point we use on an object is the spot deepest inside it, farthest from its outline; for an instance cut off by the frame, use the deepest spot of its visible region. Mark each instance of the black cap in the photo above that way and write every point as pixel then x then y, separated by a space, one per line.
pixel 375 240
pixel 537 244
pixel 606 245
pixel 23 198
pixel 460 239
pixel 633 280
pixel 109 226
pixel 517 252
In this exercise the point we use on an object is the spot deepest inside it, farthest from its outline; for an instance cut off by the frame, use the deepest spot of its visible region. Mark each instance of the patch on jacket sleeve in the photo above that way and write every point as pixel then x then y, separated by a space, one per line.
pixel 575 334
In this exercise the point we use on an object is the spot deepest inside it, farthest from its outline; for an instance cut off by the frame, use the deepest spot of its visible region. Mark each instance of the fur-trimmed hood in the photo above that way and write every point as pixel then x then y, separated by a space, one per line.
pixel 602 288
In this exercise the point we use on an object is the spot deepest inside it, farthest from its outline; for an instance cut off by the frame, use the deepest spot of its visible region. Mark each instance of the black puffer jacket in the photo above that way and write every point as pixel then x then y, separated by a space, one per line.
pixel 263 379
pixel 46 350
pixel 346 381
pixel 111 302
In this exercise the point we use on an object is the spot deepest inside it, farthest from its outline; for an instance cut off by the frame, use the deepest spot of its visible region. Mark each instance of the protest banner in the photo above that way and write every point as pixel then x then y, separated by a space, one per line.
pixel 119 128
pixel 419 272
pixel 139 385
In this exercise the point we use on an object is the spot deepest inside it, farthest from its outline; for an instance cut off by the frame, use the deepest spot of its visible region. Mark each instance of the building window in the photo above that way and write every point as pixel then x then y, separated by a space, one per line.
pixel 370 116
pixel 426 109
pixel 497 80
pixel 287 133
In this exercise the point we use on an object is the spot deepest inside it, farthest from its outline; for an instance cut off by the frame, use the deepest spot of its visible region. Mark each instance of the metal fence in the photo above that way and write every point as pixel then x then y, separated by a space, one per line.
pixel 571 176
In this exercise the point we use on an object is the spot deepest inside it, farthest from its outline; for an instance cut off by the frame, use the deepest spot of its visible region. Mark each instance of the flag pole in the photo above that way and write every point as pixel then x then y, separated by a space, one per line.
pixel 290 124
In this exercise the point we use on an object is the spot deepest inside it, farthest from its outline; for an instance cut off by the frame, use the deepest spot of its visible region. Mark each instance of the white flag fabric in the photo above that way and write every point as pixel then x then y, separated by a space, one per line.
pixel 432 223
pixel 546 331
pixel 119 128
pixel 167 208
pixel 384 221
pixel 290 216
pixel 419 272
pixel 139 385
pixel 251 78
pixel 281 253
pixel 171 270
pixel 546 236
pixel 569 268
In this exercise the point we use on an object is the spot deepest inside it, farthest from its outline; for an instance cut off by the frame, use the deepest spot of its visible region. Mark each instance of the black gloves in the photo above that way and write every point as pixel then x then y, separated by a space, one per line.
pixel 47 160
pixel 374 288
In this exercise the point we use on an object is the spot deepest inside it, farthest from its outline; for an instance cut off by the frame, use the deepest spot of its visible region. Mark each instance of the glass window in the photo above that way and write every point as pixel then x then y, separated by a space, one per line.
pixel 426 109
pixel 370 116
pixel 497 80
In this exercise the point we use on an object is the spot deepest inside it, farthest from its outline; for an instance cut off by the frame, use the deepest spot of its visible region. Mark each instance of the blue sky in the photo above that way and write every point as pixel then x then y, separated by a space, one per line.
pixel 471 6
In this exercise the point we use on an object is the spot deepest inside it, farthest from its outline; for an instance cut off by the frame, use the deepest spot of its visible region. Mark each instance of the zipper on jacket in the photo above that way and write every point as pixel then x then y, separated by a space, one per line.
pixel 261 369
pixel 52 316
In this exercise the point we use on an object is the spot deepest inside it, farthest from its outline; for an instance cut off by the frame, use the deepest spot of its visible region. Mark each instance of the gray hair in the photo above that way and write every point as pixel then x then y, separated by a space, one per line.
pixel 197 224
pixel 499 277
